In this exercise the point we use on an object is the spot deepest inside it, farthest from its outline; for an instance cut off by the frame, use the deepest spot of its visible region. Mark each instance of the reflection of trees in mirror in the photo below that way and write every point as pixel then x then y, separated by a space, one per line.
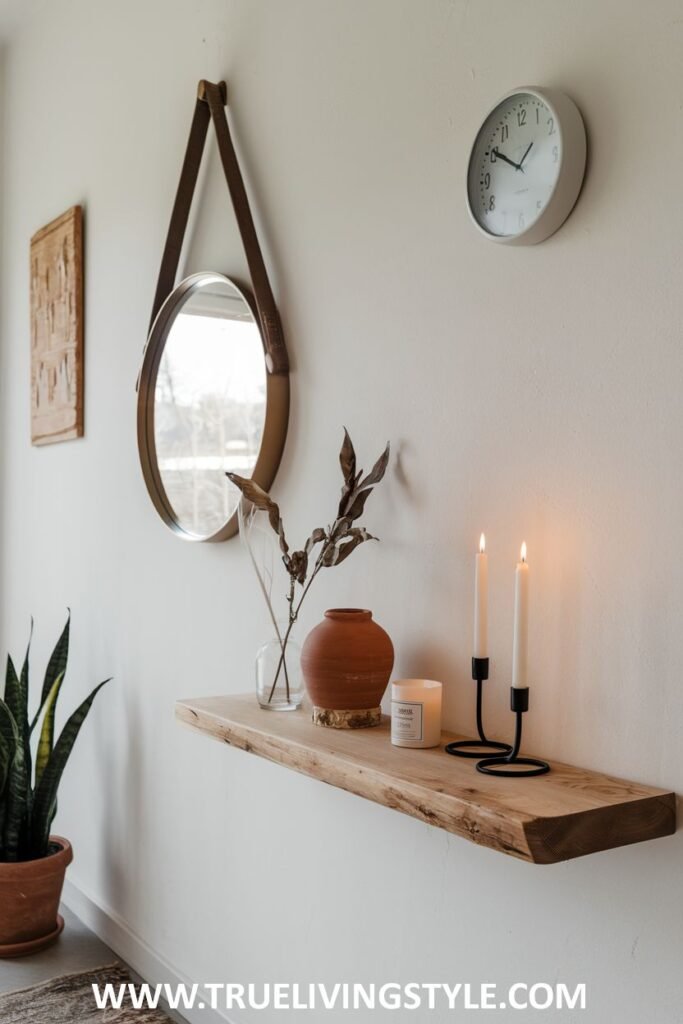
pixel 209 414
pixel 326 546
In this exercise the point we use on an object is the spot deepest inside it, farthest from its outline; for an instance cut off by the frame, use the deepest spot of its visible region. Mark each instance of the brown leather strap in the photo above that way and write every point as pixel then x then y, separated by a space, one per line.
pixel 211 101
pixel 181 206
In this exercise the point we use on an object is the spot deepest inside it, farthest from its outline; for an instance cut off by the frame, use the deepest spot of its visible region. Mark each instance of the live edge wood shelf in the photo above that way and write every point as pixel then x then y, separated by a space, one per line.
pixel 568 813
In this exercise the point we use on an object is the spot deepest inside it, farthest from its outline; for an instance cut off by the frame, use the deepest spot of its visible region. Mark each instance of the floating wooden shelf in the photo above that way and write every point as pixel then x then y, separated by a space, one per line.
pixel 568 813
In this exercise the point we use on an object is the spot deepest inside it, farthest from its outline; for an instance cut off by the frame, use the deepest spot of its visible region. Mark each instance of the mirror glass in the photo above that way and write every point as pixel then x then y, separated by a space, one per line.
pixel 209 403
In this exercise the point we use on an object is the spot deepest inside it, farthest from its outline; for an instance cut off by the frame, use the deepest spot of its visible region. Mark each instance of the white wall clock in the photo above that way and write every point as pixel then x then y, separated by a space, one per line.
pixel 526 166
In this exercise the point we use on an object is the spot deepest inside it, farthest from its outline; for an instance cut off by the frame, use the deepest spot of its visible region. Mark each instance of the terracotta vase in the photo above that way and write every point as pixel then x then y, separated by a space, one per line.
pixel 30 892
pixel 346 661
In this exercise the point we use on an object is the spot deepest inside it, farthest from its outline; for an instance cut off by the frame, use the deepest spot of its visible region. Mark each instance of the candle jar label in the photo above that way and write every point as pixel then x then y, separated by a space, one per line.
pixel 406 720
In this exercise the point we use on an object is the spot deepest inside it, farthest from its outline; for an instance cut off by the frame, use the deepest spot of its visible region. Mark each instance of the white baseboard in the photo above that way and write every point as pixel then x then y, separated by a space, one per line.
pixel 152 967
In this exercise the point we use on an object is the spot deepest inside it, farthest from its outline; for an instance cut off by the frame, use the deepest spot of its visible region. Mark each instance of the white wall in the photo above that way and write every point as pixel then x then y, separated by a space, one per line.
pixel 529 392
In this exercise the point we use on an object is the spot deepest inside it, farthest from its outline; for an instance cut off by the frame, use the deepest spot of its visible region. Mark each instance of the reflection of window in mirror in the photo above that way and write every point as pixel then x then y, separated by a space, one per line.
pixel 209 408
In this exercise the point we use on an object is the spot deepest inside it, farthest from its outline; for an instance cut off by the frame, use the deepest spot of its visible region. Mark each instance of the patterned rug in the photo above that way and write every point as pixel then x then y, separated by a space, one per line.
pixel 70 1000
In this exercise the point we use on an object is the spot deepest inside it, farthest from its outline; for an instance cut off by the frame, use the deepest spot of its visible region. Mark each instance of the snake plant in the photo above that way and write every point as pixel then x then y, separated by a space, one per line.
pixel 28 791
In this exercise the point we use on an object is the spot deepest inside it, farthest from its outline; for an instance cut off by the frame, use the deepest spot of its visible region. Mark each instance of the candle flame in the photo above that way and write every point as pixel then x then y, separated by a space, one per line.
pixel 482 544
pixel 523 552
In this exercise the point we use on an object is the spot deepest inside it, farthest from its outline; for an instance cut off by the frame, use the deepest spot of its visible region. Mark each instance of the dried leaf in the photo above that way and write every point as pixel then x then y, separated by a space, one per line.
pixel 347 543
pixel 348 546
pixel 330 556
pixel 257 496
pixel 341 539
pixel 284 546
pixel 343 499
pixel 298 566
pixel 347 459
pixel 353 499
pixel 360 531
pixel 341 527
pixel 357 503
pixel 378 470
pixel 316 537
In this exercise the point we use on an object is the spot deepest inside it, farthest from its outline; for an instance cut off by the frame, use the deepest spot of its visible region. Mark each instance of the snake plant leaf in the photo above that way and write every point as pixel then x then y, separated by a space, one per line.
pixel 6 755
pixel 9 737
pixel 45 800
pixel 12 695
pixel 8 727
pixel 47 733
pixel 24 730
pixel 55 667
pixel 17 800
pixel 16 691
pixel 16 698
pixel 5 761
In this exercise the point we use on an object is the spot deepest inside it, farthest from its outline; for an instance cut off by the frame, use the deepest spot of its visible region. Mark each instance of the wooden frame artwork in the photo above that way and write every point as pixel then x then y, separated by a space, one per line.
pixel 57 329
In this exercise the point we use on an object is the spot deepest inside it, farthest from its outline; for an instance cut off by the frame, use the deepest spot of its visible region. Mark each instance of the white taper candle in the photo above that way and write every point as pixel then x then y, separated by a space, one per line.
pixel 520 646
pixel 481 601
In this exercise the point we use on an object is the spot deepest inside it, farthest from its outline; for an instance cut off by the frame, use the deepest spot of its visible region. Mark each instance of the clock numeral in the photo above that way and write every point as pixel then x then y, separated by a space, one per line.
pixel 551 125
pixel 492 203
pixel 539 204
pixel 521 117
pixel 538 116
pixel 494 156
pixel 487 180
pixel 504 132
pixel 556 154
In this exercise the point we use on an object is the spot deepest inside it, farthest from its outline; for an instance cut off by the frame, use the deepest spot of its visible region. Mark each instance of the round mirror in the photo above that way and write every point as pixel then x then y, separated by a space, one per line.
pixel 207 405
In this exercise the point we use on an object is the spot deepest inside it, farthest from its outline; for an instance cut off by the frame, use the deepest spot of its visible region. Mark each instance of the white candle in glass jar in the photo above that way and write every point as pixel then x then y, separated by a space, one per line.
pixel 416 713
pixel 481 599
pixel 520 643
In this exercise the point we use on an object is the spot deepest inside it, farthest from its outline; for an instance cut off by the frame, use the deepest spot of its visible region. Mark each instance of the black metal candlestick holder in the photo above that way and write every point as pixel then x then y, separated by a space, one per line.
pixel 506 766
pixel 466 748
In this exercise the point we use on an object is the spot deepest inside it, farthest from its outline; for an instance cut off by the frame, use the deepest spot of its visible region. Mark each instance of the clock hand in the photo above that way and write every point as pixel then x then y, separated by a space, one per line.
pixel 524 157
pixel 501 156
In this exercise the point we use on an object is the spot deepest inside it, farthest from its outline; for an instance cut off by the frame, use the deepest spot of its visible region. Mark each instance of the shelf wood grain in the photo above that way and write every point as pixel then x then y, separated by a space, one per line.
pixel 569 813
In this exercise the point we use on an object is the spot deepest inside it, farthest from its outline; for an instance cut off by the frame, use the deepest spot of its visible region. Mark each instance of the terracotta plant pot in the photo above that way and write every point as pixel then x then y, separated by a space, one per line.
pixel 346 661
pixel 30 892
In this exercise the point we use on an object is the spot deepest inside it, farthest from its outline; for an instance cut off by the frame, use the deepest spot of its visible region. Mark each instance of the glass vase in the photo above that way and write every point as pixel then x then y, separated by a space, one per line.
pixel 279 681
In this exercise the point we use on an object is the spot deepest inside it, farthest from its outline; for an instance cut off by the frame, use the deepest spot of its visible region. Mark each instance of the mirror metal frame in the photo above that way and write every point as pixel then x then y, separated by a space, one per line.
pixel 276 414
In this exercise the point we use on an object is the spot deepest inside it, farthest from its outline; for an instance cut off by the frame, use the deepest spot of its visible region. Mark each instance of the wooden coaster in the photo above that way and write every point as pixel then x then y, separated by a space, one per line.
pixel 359 718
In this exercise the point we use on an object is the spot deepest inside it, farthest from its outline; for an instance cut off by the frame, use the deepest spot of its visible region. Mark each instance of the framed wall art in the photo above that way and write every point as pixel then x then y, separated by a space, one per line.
pixel 57 330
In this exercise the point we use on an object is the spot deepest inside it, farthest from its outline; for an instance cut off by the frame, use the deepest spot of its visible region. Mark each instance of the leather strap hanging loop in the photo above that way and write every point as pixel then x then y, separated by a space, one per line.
pixel 181 207
pixel 210 105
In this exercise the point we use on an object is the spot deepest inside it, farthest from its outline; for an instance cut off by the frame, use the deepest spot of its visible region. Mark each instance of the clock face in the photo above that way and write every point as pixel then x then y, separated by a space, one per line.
pixel 515 165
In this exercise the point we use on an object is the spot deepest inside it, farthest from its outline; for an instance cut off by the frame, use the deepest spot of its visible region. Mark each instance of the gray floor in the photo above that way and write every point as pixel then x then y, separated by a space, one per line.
pixel 77 949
